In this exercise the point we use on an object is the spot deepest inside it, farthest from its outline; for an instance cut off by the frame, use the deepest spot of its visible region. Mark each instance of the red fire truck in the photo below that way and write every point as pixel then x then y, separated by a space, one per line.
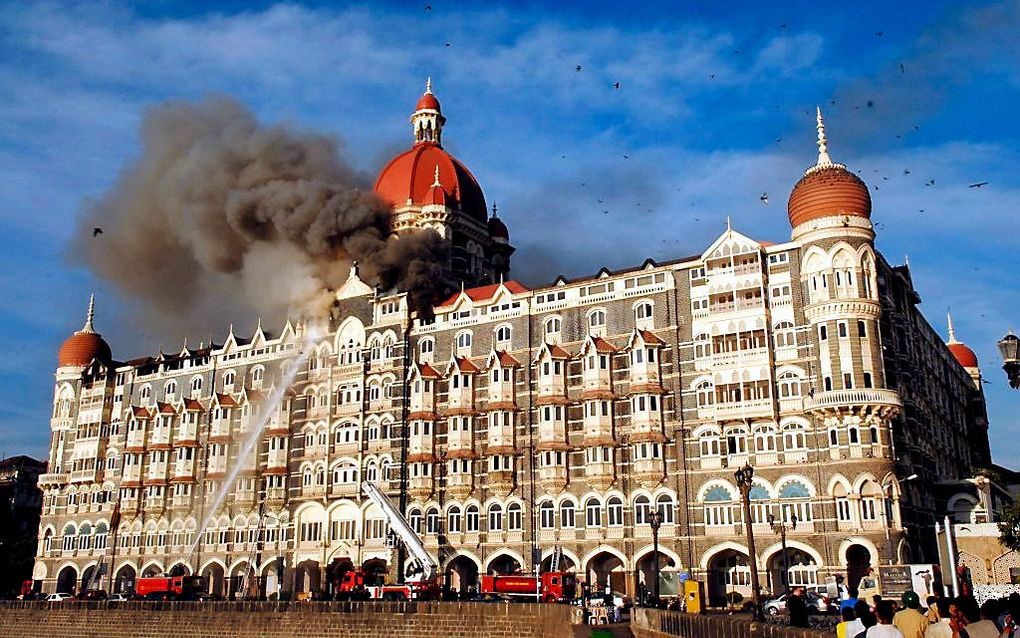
pixel 354 582
pixel 169 587
pixel 550 587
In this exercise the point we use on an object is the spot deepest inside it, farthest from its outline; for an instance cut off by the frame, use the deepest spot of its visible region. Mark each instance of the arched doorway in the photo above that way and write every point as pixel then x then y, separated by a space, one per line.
pixel 566 564
pixel 306 578
pixel 729 578
pixel 239 578
pixel 180 569
pixel 87 578
pixel 669 582
pixel 66 580
pixel 606 568
pixel 334 574
pixel 213 575
pixel 504 564
pixel 375 570
pixel 858 564
pixel 462 575
pixel 124 582
pixel 799 569
pixel 151 570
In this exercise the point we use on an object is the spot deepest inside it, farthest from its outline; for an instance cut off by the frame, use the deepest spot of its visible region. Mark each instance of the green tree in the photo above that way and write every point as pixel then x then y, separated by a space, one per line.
pixel 1009 528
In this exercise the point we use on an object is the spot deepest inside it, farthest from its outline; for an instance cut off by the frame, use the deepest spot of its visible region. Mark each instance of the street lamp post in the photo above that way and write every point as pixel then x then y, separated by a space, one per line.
pixel 744 476
pixel 1009 348
pixel 779 527
pixel 655 520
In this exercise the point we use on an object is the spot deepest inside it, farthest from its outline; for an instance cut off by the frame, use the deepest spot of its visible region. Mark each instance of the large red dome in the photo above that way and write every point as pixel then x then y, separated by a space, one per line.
pixel 963 354
pixel 407 179
pixel 81 348
pixel 828 191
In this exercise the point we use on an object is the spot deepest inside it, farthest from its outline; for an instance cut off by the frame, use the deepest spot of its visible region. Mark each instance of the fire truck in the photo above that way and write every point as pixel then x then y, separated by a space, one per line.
pixel 550 587
pixel 423 585
pixel 169 587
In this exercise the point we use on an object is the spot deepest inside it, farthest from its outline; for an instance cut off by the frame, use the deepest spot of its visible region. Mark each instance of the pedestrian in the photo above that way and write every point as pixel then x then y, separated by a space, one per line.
pixel 884 628
pixel 909 620
pixel 984 625
pixel 796 604
pixel 851 625
pixel 932 612
pixel 940 627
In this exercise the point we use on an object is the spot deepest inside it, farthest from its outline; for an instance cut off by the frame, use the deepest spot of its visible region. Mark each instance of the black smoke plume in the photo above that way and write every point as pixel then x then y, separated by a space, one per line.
pixel 220 214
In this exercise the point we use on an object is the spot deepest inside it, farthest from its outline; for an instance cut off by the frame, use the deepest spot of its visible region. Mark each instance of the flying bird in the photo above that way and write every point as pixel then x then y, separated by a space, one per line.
pixel 879 33
pixel 930 182
pixel 977 185
pixel 97 231
pixel 578 68
pixel 428 7
pixel 764 197
pixel 902 69
pixel 616 85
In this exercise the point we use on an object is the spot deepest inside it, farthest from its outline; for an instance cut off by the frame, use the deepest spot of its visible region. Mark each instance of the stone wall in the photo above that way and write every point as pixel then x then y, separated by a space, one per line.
pixel 655 623
pixel 284 620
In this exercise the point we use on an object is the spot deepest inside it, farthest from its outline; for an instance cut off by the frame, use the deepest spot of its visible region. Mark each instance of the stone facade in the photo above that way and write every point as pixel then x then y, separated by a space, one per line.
pixel 522 426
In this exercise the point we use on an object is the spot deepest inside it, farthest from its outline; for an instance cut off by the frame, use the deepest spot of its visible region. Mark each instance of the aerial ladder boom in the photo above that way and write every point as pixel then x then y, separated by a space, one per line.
pixel 403 529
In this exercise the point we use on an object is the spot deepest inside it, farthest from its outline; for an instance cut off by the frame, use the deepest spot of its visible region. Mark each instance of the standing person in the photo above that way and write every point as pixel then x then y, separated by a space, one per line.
pixel 851 625
pixel 796 604
pixel 909 620
pixel 932 613
pixel 985 627
pixel 941 626
pixel 884 628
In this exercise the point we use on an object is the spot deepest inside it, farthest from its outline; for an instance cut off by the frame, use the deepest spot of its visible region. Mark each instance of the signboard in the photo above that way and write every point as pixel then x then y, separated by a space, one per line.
pixel 895 579
pixel 924 580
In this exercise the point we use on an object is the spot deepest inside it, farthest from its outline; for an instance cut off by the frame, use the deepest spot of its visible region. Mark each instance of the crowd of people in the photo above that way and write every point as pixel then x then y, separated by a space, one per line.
pixel 960 617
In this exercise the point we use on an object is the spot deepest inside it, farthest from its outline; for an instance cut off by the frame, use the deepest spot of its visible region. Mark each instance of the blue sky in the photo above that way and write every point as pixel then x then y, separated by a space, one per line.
pixel 715 106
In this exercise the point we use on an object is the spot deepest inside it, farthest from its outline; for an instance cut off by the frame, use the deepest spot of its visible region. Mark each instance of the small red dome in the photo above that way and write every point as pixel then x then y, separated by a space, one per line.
pixel 408 179
pixel 81 348
pixel 497 229
pixel 963 354
pixel 829 191
pixel 427 102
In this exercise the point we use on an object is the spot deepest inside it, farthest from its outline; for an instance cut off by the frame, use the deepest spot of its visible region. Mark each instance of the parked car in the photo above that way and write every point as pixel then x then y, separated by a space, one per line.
pixel 816 603
pixel 59 597
pixel 93 594
pixel 119 598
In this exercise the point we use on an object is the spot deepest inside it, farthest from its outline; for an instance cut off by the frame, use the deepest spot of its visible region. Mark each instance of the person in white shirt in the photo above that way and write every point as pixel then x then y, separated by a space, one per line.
pixel 939 627
pixel 884 628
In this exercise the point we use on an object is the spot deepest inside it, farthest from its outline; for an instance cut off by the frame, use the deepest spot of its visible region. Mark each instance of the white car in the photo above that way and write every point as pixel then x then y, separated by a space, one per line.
pixel 58 597
pixel 119 598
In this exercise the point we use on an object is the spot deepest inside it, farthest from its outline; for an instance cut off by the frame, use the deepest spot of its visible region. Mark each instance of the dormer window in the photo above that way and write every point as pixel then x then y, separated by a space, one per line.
pixel 228 377
pixel 503 336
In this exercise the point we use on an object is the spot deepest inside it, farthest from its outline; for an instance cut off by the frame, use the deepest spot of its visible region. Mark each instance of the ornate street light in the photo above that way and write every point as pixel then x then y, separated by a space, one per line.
pixel 779 527
pixel 1009 348
pixel 655 520
pixel 744 477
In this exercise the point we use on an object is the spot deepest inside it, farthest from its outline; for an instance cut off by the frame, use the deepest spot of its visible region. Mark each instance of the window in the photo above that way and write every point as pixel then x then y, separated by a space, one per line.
pixel 593 513
pixel 759 498
pixel 614 507
pixel 702 346
pixel 426 346
pixel 257 375
pixel 827 384
pixel 228 379
pixel 869 512
pixel 705 393
pixel 567 512
pixel 643 311
pixel 823 333
pixel 597 318
pixel 862 329
pixel 709 443
pixel 718 506
pixel 642 507
pixel 170 389
pixel 789 385
pixel 464 341
pixel 503 335
pixel 843 509
pixel 794 499
pixel 848 380
pixel 794 437
pixel 842 329
pixel 546 515
pixel 784 335
pixel 764 439
pixel 471 518
pixel 868 383
pixel 553 326
pixel 664 505
pixel 453 520
pixel 495 517
pixel 432 521
pixel 514 517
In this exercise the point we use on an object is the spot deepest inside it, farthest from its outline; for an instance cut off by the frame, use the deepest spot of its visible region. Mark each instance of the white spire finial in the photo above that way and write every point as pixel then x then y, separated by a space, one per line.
pixel 952 329
pixel 91 314
pixel 428 85
pixel 728 227
pixel 494 209
pixel 823 152
pixel 435 182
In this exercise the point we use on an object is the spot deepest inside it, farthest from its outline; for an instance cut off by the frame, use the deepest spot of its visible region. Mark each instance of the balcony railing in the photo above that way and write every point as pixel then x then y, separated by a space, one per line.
pixel 858 397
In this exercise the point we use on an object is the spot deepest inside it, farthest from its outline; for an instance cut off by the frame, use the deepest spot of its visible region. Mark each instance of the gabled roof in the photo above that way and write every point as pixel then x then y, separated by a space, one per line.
pixel 461 364
pixel 484 293
pixel 504 358
pixel 225 400
pixel 140 412
pixel 554 351
pixel 165 408
pixel 645 337
pixel 600 345
pixel 193 404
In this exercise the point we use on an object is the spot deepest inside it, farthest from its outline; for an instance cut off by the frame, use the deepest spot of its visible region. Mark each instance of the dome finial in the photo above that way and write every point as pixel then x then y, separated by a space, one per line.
pixel 91 315
pixel 494 210
pixel 435 182
pixel 428 85
pixel 823 152
pixel 952 329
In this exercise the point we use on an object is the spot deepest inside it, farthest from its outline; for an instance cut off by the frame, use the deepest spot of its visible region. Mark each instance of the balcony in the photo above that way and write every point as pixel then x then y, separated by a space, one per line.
pixel 742 409
pixel 52 479
pixel 751 356
pixel 885 403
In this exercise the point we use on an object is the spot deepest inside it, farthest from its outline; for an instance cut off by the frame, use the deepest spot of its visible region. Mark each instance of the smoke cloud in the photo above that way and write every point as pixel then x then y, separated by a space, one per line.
pixel 220 214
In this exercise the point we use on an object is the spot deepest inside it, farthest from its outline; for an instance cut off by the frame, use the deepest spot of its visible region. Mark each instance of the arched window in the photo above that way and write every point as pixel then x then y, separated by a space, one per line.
pixel 514 517
pixel 69 537
pixel 495 518
pixel 414 519
pixel 642 508
pixel 789 385
pixel 196 387
pixel 101 535
pixel 553 325
pixel 759 497
pixel 709 443
pixel 643 311
pixel 432 521
pixel 426 346
pixel 614 506
pixel 170 389
pixel 471 518
pixel 547 515
pixel 596 319
pixel 503 335
pixel 453 518
pixel 702 346
pixel 764 439
pixel 228 379
pixel 784 335
pixel 567 512
pixel 257 376
pixel 146 393
pixel 464 340
pixel 795 500
pixel 718 506
pixel 593 513
pixel 705 393
pixel 85 536
pixel 794 437
pixel 664 505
